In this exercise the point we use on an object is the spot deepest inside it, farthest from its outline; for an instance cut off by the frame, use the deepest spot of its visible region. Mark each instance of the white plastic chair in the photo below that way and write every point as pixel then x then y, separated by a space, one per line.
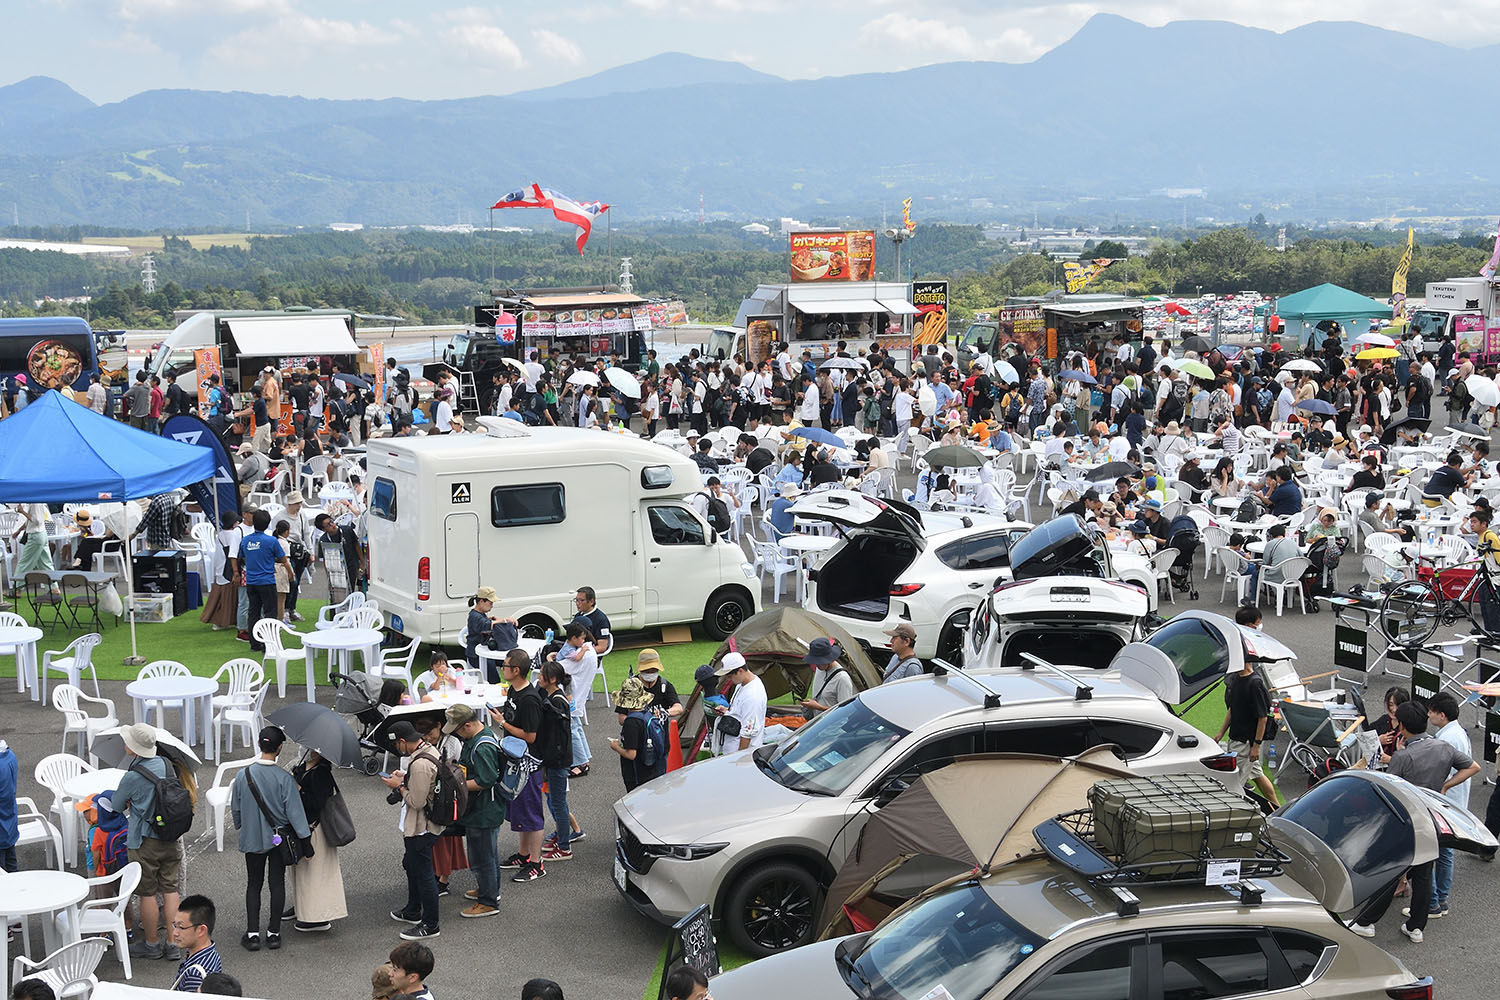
pixel 396 663
pixel 271 633
pixel 422 684
pixel 244 713
pixel 217 796
pixel 1215 539
pixel 1161 566
pixel 52 773
pixel 76 719
pixel 1236 572
pixel 71 661
pixel 364 616
pixel 240 676
pixel 329 614
pixel 105 917
pixel 314 474
pixel 770 558
pixel 163 668
pixel 1290 584
pixel 69 970
pixel 9 619
pixel 268 490
pixel 32 827
pixel 599 673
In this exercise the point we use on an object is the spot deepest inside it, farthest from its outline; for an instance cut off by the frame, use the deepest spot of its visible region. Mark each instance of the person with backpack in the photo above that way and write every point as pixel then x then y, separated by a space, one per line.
pixel 522 718
pixel 714 504
pixel 554 747
pixel 831 685
pixel 903 662
pixel 580 660
pixel 152 796
pixel 264 802
pixel 642 744
pixel 485 812
pixel 419 832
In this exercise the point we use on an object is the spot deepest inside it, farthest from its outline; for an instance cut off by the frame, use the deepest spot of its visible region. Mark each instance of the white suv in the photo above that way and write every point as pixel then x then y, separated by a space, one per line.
pixel 897 565
pixel 759 834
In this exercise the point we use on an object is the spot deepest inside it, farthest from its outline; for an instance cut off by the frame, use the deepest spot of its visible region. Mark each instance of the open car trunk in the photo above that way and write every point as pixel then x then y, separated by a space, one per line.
pixel 855 581
pixel 1077 645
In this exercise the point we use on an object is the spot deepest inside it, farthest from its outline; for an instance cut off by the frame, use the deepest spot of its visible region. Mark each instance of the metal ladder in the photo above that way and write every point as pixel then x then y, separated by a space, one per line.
pixel 468 394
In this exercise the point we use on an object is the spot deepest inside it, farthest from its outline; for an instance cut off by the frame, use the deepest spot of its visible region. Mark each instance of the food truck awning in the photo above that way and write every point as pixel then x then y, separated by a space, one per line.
pixel 282 337
pixel 1093 308
pixel 585 301
pixel 898 307
pixel 820 300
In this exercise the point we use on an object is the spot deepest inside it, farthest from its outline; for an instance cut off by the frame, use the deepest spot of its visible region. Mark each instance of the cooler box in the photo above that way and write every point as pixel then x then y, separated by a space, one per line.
pixel 1451 581
pixel 1144 821
pixel 152 608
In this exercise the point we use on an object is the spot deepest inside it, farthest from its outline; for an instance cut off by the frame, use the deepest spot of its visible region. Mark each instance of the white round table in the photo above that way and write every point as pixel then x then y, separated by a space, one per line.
pixel 532 647
pixel 338 643
pixel 42 892
pixel 188 693
pixel 1228 503
pixel 22 640
pixel 478 699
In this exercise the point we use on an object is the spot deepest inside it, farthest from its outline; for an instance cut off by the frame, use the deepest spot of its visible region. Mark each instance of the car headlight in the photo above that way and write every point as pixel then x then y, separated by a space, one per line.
pixel 748 570
pixel 683 852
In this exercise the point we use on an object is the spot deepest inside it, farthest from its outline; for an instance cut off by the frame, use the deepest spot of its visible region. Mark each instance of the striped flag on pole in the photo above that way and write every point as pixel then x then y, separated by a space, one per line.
pixel 1488 270
pixel 565 209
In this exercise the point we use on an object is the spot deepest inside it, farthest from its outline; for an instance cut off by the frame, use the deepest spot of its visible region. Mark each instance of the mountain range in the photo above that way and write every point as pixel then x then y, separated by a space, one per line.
pixel 1293 123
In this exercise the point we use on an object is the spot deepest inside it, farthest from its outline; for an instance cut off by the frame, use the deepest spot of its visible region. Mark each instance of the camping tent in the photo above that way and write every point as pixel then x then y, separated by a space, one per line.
pixel 953 821
pixel 56 451
pixel 1327 303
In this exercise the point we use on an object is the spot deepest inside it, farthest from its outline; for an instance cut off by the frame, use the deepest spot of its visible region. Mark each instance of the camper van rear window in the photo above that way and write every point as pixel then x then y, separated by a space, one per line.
pixel 512 506
pixel 383 499
pixel 656 477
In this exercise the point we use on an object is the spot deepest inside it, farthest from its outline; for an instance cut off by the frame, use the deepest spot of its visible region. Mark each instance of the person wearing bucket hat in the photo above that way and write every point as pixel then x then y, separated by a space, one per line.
pixel 747 707
pixel 664 696
pixel 831 685
pixel 630 703
pixel 161 860
pixel 302 550
pixel 480 759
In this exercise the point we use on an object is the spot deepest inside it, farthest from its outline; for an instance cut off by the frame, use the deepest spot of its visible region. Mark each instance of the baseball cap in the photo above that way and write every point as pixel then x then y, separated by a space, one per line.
pixel 729 664
pixel 456 716
pixel 905 631
pixel 404 730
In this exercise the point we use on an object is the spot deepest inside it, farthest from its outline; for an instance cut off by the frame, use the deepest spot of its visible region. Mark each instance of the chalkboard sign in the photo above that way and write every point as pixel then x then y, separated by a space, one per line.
pixel 1424 684
pixel 691 943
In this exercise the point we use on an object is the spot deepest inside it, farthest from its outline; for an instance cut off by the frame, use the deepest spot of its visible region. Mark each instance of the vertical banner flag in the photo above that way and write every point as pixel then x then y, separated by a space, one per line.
pixel 190 430
pixel 931 300
pixel 377 358
pixel 206 359
pixel 1488 270
pixel 1077 275
pixel 906 216
pixel 565 209
pixel 1398 280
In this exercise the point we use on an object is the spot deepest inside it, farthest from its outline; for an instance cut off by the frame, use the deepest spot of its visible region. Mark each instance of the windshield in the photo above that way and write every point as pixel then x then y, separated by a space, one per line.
pixel 977 338
pixel 828 753
pixel 1429 323
pixel 720 344
pixel 959 940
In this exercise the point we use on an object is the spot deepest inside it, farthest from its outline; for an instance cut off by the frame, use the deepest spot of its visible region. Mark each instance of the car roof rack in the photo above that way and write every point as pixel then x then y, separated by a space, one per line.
pixel 941 668
pixel 1082 691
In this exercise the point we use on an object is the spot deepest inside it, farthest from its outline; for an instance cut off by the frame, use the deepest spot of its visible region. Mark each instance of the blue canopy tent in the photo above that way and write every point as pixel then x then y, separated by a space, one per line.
pixel 1303 311
pixel 56 451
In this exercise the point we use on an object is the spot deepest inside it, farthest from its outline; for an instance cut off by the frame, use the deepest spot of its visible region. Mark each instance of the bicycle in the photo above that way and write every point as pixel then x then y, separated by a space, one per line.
pixel 1413 608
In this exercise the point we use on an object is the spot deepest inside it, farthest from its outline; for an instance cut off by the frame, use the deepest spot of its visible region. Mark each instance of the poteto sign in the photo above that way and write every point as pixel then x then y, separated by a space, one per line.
pixel 838 256
pixel 931 301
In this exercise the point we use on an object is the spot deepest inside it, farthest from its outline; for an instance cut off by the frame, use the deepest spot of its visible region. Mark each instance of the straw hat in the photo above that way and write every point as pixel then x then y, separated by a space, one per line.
pixel 140 739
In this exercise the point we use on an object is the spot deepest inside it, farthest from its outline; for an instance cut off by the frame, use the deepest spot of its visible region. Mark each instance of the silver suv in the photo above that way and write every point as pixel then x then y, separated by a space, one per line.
pixel 759 834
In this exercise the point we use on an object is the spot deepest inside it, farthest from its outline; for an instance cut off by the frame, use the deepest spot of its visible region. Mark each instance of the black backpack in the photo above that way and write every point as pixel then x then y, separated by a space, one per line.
pixel 450 795
pixel 557 711
pixel 653 755
pixel 172 806
pixel 1013 411
pixel 718 514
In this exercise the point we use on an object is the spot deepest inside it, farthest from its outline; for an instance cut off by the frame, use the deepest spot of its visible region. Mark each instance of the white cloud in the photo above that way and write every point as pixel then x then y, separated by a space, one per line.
pixel 650 5
pixel 554 47
pixel 940 38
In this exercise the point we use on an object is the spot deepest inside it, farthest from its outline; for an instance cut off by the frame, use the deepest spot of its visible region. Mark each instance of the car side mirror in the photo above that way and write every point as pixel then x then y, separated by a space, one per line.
pixel 712 537
pixel 889 791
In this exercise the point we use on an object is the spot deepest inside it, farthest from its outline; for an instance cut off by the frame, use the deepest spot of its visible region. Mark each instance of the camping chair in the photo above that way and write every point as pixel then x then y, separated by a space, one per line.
pixel 1314 740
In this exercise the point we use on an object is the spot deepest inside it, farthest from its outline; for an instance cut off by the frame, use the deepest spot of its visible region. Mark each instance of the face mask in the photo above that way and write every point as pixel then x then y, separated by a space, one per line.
pixel 649 679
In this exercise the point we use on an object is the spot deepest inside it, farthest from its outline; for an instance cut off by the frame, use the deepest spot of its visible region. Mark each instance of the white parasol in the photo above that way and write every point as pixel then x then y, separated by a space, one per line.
pixel 1484 390
pixel 109 746
pixel 1302 365
pixel 1374 340
pixel 622 380
pixel 1007 371
pixel 515 364
pixel 581 377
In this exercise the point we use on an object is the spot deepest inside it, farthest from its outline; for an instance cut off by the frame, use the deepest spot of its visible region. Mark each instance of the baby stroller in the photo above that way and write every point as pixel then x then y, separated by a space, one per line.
pixel 368 699
pixel 1182 535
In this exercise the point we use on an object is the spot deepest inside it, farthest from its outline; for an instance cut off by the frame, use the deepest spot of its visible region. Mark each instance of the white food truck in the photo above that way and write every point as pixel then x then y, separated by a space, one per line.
pixel 536 513
pixel 1462 310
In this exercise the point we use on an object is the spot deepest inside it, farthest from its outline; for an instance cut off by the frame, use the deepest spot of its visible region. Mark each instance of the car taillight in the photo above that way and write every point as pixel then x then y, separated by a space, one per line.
pixel 1419 990
pixel 906 589
pixel 1220 762
pixel 1443 827
pixel 424 578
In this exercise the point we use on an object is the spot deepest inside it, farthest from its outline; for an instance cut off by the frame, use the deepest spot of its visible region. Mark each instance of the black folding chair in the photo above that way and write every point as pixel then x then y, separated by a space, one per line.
pixel 43 599
pixel 81 596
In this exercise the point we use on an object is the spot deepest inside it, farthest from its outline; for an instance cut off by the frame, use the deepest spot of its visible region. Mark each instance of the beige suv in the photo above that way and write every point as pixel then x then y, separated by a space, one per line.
pixel 1036 930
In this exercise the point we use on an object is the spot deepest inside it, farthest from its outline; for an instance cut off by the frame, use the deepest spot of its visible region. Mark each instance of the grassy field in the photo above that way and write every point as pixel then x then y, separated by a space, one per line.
pixel 198 241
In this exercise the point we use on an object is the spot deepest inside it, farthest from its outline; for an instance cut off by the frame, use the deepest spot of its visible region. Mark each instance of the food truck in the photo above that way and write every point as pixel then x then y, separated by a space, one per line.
pixel 1464 310
pixel 1049 326
pixel 249 340
pixel 50 351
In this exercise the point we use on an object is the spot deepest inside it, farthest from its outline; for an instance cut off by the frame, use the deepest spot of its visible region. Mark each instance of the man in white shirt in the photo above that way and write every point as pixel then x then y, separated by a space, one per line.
pixel 534 371
pixel 1286 403
pixel 747 705
pixel 98 396
pixel 902 407
pixel 807 411
pixel 1443 724
pixel 443 418
pixel 784 362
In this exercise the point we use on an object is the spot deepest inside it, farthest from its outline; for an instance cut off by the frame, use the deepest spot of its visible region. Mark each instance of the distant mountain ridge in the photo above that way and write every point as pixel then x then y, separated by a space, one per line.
pixel 1324 114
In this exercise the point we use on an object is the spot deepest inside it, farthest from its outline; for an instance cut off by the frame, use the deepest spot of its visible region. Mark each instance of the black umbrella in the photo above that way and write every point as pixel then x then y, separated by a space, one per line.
pixel 1198 344
pixel 354 380
pixel 422 715
pixel 319 728
pixel 1388 436
pixel 1110 471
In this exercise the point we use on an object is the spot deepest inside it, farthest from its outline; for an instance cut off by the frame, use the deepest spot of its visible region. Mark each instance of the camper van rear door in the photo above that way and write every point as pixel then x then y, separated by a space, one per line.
pixel 461 554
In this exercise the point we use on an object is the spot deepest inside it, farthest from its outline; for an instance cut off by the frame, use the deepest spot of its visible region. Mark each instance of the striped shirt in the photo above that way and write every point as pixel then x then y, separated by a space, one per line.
pixel 197 965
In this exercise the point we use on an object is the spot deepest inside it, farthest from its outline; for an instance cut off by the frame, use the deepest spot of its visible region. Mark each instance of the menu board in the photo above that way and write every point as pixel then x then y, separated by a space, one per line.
pixel 1023 325
pixel 760 333
pixel 838 256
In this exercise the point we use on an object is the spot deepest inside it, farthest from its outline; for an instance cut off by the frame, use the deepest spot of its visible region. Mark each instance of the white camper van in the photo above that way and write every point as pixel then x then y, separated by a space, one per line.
pixel 537 513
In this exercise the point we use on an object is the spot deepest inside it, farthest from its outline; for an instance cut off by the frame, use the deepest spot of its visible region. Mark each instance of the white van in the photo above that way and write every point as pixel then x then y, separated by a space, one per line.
pixel 537 513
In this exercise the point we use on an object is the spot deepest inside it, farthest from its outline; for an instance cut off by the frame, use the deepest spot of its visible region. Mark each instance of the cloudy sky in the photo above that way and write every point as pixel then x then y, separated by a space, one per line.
pixel 110 49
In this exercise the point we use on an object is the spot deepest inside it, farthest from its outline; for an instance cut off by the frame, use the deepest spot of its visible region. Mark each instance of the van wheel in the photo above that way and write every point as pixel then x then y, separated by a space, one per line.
pixel 772 909
pixel 536 626
pixel 950 644
pixel 726 611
